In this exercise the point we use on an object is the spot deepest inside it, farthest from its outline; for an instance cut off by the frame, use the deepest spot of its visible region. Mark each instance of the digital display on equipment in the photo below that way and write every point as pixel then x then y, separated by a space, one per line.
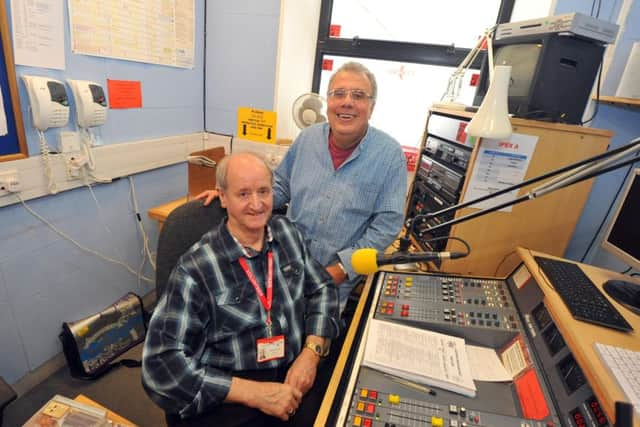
pixel 58 93
pixel 624 234
pixel 578 418
pixel 571 374
pixel 598 414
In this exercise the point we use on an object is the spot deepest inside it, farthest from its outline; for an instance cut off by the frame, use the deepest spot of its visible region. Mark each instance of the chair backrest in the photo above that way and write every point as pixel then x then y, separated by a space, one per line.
pixel 184 226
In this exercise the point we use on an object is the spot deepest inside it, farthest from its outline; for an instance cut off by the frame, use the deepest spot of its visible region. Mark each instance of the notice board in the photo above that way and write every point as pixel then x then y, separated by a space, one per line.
pixel 12 143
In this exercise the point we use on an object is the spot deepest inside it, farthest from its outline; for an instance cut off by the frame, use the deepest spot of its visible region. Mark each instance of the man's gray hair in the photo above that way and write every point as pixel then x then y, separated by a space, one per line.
pixel 222 167
pixel 356 67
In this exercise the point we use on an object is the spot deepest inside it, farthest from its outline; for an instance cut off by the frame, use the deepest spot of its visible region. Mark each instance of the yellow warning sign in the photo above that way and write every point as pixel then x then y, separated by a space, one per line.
pixel 257 125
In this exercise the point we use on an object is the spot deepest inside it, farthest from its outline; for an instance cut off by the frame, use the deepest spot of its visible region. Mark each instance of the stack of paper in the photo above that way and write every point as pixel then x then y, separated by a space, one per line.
pixel 419 355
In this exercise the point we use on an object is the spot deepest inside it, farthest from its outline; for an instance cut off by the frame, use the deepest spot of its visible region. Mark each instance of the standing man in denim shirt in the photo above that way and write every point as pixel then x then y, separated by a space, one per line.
pixel 345 181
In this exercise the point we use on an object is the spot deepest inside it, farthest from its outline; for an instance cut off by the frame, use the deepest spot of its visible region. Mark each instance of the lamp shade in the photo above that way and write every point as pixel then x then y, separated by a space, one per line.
pixel 492 118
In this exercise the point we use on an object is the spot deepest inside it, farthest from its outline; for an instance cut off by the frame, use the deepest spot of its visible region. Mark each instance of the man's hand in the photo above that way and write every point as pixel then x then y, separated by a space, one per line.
pixel 336 273
pixel 208 196
pixel 275 399
pixel 302 372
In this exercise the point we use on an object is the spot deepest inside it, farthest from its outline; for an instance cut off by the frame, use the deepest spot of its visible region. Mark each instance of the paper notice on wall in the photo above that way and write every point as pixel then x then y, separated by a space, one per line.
pixel 3 116
pixel 500 164
pixel 38 33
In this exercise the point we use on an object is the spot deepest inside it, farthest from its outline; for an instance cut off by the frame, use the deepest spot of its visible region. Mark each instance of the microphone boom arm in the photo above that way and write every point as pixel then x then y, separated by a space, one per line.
pixel 572 174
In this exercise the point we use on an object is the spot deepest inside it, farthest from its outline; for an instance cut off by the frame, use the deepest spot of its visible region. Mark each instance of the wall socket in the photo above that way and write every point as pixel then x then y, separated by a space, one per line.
pixel 10 182
pixel 69 145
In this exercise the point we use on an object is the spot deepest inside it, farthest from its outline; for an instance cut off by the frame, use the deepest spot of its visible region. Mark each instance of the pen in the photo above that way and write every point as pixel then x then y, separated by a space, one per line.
pixel 411 384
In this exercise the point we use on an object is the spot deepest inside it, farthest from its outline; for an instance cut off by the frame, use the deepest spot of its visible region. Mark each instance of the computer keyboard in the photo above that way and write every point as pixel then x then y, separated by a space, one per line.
pixel 581 296
pixel 625 366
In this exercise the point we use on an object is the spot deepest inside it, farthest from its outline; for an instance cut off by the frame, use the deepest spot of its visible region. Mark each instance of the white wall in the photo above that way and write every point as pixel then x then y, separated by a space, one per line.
pixel 296 54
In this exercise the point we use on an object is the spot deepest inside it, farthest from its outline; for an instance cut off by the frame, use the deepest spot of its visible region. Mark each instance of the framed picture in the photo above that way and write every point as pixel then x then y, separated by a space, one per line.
pixel 13 145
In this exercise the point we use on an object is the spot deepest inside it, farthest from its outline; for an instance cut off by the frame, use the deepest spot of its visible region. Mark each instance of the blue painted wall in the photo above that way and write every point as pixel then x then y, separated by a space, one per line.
pixel 44 279
pixel 242 43
pixel 624 122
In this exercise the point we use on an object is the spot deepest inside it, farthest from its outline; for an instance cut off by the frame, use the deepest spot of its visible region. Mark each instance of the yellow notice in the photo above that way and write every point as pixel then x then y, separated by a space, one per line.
pixel 257 125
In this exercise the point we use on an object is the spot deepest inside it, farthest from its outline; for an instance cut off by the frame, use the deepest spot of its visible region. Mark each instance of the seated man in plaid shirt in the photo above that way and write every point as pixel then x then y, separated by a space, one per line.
pixel 238 336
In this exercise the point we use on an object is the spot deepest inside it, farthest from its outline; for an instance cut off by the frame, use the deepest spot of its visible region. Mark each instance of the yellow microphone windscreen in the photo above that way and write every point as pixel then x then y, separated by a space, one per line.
pixel 364 261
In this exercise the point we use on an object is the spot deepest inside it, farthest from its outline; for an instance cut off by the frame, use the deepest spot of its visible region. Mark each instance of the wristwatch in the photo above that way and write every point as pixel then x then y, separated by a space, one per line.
pixel 317 349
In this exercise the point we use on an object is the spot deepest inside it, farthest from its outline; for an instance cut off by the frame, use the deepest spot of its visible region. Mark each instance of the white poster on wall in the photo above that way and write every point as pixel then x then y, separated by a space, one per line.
pixel 500 164
pixel 38 33
pixel 3 116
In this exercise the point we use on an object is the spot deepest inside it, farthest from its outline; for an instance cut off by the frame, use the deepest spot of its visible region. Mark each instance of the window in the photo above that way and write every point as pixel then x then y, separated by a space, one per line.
pixel 412 46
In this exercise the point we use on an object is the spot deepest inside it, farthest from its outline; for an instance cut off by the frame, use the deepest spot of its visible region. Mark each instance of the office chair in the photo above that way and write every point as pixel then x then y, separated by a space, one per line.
pixel 184 226
pixel 7 395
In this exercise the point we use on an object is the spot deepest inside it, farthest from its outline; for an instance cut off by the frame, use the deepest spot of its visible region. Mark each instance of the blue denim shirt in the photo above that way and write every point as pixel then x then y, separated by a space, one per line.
pixel 361 204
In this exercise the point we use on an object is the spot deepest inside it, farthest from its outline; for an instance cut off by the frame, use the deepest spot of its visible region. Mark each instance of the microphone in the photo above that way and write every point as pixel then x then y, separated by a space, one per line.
pixel 367 260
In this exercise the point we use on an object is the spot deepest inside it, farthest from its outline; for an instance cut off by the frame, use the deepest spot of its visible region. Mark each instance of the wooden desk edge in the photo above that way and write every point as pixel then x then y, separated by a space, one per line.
pixel 112 416
pixel 161 212
pixel 605 386
pixel 338 370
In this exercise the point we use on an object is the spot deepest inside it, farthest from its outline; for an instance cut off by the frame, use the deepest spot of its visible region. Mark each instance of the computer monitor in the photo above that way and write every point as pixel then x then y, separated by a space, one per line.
pixel 623 236
pixel 551 75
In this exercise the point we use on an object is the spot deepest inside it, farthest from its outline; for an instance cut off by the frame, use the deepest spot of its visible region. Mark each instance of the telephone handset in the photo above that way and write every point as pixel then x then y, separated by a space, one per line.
pixel 91 103
pixel 49 102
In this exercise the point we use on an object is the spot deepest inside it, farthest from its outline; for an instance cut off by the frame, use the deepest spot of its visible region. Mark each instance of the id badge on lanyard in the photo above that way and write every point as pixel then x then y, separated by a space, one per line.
pixel 271 347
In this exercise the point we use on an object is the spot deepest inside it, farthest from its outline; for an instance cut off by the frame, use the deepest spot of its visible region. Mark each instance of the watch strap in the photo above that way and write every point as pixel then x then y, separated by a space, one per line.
pixel 317 349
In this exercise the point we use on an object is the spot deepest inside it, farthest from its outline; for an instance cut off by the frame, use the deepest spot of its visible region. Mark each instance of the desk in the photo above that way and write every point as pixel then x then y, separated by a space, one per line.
pixel 357 326
pixel 112 416
pixel 579 337
pixel 161 212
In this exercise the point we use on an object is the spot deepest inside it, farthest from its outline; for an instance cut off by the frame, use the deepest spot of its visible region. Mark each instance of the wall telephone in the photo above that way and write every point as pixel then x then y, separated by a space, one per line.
pixel 49 102
pixel 91 103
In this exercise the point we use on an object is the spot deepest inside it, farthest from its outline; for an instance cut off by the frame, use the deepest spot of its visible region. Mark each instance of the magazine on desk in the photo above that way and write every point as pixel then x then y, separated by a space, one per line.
pixel 419 355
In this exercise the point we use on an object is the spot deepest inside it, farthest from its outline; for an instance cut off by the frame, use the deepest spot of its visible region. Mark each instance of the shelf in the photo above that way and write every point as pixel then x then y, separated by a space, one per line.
pixel 615 100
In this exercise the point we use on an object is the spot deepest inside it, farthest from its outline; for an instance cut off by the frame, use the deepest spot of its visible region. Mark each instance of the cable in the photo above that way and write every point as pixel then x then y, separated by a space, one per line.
pixel 87 142
pixel 595 109
pixel 46 163
pixel 102 220
pixel 504 258
pixel 78 245
pixel 464 242
pixel 87 139
pixel 145 238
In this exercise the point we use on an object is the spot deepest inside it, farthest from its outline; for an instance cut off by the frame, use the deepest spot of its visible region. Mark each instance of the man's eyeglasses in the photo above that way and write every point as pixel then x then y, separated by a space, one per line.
pixel 357 95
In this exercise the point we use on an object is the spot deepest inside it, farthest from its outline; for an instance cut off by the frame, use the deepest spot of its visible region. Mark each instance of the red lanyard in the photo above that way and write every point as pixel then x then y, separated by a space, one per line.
pixel 266 301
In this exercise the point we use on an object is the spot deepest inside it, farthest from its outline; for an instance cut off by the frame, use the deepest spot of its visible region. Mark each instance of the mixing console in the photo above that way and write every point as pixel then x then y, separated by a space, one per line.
pixel 550 391
pixel 483 307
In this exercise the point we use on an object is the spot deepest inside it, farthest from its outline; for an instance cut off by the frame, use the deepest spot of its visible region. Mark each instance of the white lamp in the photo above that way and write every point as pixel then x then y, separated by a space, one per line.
pixel 492 118
pixel 454 84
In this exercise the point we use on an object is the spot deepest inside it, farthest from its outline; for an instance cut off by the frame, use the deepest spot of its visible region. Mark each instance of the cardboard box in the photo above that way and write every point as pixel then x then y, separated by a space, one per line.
pixel 202 177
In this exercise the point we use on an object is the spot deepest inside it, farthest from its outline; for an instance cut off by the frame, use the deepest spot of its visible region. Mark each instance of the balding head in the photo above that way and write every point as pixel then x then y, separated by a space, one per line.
pixel 241 161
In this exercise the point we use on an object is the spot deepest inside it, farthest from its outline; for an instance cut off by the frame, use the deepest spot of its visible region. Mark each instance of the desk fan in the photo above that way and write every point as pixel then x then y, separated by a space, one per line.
pixel 309 109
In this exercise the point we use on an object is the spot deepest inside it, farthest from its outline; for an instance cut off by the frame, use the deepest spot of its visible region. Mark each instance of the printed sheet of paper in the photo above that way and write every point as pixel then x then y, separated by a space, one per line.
pixel 3 116
pixel 38 33
pixel 419 355
pixel 500 164
pixel 124 93
pixel 153 31
pixel 486 365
